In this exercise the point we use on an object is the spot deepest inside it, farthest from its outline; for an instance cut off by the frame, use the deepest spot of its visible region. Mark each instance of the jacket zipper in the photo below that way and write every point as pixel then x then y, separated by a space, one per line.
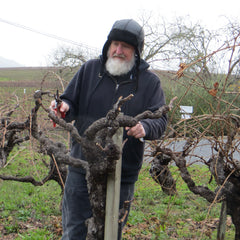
pixel 121 83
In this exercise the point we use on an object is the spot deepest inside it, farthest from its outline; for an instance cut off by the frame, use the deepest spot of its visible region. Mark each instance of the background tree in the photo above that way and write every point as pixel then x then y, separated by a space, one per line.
pixel 67 60
pixel 217 125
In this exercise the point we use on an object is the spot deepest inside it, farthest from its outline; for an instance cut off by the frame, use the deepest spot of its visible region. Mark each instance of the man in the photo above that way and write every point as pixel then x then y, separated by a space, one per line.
pixel 98 84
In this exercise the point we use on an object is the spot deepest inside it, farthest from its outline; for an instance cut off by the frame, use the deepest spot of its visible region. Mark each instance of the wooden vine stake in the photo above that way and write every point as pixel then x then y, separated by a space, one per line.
pixel 222 222
pixel 113 195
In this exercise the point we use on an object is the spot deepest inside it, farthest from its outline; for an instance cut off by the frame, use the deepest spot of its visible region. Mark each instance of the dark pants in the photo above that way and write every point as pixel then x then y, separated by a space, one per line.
pixel 76 206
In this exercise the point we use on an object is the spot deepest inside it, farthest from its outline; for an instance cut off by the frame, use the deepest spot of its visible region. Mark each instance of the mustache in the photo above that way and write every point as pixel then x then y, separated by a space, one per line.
pixel 119 55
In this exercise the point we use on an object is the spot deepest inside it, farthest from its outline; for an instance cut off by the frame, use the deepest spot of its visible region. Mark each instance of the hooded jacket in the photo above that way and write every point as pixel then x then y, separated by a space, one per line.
pixel 93 92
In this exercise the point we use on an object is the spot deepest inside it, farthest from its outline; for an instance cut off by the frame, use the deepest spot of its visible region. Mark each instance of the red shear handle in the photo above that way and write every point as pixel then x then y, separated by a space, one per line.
pixel 63 114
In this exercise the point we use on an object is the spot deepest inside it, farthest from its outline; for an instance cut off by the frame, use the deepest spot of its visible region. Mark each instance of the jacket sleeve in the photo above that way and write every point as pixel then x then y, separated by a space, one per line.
pixel 155 128
pixel 71 95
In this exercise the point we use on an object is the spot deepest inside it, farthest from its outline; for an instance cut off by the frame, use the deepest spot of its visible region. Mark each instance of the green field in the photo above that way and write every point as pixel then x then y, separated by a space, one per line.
pixel 29 212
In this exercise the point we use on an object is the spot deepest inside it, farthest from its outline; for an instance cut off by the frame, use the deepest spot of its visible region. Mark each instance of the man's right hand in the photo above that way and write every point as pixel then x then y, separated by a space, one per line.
pixel 60 110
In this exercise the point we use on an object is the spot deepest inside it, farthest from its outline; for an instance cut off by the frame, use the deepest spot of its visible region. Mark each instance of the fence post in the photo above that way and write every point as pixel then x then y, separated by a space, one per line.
pixel 113 195
pixel 222 221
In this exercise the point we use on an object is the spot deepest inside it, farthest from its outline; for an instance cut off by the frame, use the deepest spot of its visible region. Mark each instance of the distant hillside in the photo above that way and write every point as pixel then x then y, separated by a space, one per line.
pixel 5 63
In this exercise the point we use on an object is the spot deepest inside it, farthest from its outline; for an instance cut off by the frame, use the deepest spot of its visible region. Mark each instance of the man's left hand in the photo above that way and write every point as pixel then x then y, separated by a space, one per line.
pixel 137 131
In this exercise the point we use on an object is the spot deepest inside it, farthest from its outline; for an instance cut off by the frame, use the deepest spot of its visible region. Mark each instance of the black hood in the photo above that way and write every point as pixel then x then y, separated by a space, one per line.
pixel 129 31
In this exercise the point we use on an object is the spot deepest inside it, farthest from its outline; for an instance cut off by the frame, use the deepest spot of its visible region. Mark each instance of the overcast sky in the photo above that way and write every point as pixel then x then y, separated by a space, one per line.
pixel 89 22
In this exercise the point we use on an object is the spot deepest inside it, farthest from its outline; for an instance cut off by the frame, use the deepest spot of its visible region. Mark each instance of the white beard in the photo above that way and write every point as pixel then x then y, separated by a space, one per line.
pixel 117 67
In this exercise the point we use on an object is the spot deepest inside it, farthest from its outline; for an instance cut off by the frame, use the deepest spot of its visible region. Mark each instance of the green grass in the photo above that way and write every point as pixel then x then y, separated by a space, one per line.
pixel 28 212
pixel 22 206
pixel 154 215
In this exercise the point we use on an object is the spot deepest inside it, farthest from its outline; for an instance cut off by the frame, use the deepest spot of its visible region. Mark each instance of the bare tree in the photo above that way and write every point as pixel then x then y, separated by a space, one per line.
pixel 218 128
pixel 65 56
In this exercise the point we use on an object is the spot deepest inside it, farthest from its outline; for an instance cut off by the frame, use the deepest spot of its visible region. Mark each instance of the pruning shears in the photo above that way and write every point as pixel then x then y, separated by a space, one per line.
pixel 57 106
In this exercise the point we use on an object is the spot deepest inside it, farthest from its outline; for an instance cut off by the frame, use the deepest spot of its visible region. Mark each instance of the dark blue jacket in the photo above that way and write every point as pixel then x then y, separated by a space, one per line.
pixel 92 93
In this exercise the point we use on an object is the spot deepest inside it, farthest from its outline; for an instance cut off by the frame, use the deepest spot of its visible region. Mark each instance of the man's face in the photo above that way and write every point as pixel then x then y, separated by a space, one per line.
pixel 121 50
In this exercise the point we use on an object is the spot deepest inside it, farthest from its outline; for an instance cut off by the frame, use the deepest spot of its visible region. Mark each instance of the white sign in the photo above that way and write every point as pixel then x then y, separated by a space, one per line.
pixel 186 111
